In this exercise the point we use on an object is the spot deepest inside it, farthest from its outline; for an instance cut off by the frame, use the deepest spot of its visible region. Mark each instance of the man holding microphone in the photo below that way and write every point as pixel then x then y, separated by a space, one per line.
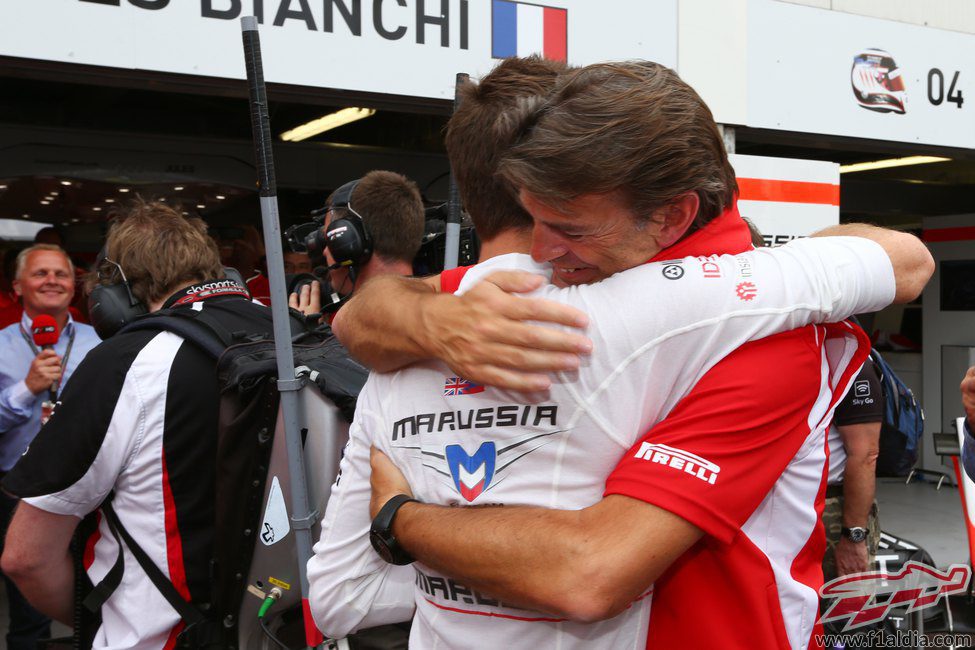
pixel 40 352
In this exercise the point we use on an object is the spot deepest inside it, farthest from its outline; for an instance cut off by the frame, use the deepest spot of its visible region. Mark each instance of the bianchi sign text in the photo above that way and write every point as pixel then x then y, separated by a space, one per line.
pixel 396 48
pixel 421 20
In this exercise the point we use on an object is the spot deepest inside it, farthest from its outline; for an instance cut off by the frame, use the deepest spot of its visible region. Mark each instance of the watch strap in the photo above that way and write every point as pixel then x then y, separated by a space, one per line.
pixel 383 521
pixel 381 534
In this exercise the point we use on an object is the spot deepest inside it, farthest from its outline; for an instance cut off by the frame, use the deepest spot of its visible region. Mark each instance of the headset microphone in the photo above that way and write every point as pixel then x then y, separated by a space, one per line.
pixel 112 306
pixel 45 331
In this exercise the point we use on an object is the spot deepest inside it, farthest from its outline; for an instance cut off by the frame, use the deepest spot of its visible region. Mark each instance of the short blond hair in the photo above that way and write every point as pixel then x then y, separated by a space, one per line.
pixel 24 254
pixel 160 250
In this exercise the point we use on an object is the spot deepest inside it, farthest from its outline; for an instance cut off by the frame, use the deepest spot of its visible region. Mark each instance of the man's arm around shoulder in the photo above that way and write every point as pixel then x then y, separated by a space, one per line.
pixel 572 563
pixel 912 263
pixel 483 335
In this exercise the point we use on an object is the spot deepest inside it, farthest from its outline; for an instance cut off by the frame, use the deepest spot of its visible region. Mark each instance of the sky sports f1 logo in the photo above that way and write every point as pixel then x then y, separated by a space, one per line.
pixel 523 29
pixel 863 598
pixel 680 460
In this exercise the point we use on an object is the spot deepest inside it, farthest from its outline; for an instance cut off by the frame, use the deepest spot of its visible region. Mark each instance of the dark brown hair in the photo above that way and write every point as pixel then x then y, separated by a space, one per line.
pixel 632 128
pixel 160 250
pixel 477 138
pixel 392 210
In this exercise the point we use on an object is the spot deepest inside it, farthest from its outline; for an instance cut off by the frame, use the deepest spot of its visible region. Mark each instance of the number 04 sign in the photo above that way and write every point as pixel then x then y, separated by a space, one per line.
pixel 936 88
pixel 822 71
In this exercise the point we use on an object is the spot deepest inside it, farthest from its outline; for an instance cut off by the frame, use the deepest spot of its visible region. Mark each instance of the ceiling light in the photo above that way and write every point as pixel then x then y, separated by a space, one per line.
pixel 45 202
pixel 25 216
pixel 123 190
pixel 178 188
pixel 201 205
pixel 3 187
pixel 75 220
pixel 890 162
pixel 220 197
pixel 66 183
pixel 322 124
pixel 97 208
pixel 109 200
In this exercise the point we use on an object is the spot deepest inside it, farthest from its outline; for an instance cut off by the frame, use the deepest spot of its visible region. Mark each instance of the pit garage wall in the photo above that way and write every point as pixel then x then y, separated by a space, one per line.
pixel 410 48
pixel 783 66
pixel 786 198
pixel 948 238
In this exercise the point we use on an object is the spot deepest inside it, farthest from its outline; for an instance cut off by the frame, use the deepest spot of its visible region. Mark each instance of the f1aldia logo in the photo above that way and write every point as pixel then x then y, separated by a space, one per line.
pixel 864 598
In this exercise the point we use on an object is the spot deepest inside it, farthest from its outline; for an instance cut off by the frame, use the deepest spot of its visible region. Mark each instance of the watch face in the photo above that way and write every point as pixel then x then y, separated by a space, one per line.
pixel 856 534
pixel 379 545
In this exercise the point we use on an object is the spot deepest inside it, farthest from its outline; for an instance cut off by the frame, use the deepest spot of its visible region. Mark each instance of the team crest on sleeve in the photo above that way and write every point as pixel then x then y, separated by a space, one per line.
pixel 460 386
pixel 471 474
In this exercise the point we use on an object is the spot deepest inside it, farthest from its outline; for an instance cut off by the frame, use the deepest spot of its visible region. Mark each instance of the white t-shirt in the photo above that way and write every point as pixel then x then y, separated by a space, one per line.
pixel 656 329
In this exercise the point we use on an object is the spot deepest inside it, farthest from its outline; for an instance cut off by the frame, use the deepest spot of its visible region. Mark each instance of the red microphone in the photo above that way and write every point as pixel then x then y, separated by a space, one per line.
pixel 46 334
pixel 45 330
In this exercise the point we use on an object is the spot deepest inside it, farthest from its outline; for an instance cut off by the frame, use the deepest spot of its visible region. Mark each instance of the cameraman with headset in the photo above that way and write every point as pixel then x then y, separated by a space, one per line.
pixel 136 428
pixel 372 226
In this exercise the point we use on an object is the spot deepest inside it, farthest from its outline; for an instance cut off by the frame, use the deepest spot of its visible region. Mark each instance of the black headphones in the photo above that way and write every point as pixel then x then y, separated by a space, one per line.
pixel 112 306
pixel 347 237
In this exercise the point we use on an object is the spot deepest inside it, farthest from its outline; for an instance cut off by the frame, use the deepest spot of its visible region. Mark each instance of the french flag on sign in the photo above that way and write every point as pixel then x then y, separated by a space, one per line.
pixel 522 29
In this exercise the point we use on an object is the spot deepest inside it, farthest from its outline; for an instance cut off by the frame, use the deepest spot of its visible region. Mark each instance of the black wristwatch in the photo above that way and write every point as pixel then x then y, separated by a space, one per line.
pixel 855 534
pixel 381 533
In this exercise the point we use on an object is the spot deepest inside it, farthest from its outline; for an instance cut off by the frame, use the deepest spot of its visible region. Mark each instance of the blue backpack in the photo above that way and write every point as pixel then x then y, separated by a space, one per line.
pixel 903 425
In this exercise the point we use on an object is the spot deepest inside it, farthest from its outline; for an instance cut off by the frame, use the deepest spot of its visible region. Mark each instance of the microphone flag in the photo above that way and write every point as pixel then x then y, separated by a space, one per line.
pixel 45 331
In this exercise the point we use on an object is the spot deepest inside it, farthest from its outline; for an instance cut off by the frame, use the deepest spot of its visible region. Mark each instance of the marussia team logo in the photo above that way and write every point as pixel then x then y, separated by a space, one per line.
pixel 864 598
pixel 471 474
pixel 474 474
pixel 460 386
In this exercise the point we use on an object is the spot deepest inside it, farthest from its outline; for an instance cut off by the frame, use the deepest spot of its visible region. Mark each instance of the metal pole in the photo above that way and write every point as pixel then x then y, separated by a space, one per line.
pixel 728 136
pixel 301 518
pixel 452 230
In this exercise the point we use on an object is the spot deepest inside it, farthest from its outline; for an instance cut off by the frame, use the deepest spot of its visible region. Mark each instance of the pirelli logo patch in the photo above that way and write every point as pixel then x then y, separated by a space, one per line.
pixel 680 460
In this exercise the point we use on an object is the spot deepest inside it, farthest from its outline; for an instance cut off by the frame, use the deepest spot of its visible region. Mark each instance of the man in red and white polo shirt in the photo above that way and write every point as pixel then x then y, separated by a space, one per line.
pixel 757 453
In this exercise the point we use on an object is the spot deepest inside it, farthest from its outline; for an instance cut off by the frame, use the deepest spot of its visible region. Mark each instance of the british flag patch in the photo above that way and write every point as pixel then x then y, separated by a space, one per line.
pixel 460 386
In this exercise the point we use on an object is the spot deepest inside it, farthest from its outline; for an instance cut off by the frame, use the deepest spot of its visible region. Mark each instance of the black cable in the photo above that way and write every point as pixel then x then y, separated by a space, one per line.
pixel 267 632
